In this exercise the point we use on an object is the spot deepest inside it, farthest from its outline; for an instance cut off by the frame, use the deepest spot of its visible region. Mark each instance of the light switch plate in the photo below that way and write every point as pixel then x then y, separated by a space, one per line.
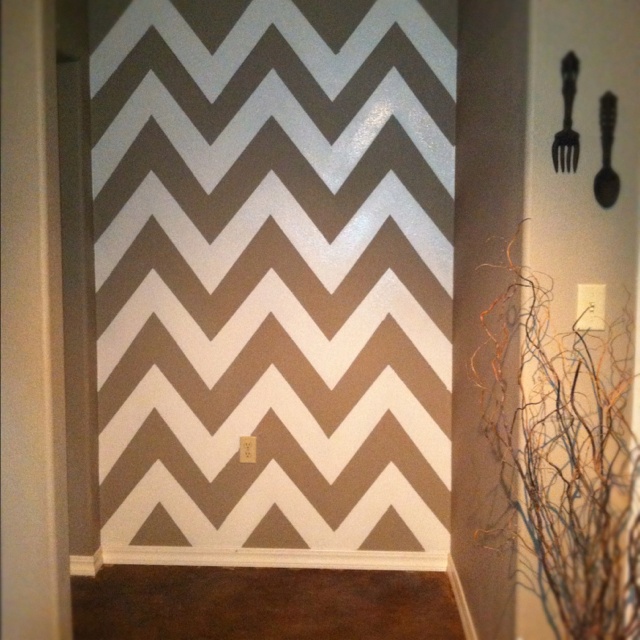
pixel 591 307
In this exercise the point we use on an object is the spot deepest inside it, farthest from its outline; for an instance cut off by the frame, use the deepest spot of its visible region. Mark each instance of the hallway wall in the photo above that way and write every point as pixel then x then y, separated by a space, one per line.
pixel 79 304
pixel 490 199
pixel 570 236
pixel 273 210
pixel 34 552
pixel 509 108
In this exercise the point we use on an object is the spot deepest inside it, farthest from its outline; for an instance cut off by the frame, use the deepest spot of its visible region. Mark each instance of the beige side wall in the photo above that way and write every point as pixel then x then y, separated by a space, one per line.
pixel 570 237
pixel 35 575
pixel 491 121
pixel 76 204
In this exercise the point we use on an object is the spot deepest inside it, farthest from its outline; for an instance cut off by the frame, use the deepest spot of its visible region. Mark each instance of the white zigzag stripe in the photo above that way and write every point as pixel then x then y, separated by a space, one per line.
pixel 272 392
pixel 331 262
pixel 273 486
pixel 330 358
pixel 272 98
pixel 332 71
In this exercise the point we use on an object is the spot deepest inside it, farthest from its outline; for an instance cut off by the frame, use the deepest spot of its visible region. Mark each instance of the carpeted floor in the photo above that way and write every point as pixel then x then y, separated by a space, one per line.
pixel 197 603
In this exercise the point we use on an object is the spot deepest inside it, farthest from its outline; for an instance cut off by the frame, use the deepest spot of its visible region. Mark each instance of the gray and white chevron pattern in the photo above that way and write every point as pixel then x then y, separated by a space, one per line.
pixel 273 210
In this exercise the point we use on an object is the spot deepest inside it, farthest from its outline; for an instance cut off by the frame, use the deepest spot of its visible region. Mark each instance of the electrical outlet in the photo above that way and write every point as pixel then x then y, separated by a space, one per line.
pixel 591 307
pixel 248 446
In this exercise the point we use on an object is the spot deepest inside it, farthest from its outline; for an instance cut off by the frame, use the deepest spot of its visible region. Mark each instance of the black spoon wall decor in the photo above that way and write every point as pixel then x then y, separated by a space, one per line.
pixel 606 185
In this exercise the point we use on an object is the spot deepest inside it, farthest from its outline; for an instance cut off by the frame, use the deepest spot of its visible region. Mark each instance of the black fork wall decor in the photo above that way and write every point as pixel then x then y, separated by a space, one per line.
pixel 566 145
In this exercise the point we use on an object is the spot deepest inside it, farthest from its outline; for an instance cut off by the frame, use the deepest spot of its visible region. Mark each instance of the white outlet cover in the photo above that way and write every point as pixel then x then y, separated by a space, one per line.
pixel 590 312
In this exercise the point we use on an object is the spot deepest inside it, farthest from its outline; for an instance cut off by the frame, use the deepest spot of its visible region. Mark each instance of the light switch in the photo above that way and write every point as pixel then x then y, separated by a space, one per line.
pixel 591 307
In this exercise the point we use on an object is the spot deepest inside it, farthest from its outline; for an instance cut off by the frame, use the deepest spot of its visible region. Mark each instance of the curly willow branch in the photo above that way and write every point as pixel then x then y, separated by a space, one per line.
pixel 570 444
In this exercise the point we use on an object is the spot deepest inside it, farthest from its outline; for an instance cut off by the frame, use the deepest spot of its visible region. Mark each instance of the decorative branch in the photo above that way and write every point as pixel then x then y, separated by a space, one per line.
pixel 570 445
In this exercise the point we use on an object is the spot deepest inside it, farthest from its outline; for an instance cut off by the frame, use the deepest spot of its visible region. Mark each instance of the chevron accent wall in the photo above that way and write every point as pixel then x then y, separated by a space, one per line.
pixel 273 188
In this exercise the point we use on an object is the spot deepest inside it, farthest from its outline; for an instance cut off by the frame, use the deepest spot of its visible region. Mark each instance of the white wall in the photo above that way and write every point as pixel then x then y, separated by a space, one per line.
pixel 35 578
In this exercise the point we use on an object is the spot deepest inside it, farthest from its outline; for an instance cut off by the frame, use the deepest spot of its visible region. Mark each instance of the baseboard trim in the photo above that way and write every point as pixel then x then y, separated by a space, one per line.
pixel 468 626
pixel 86 565
pixel 278 558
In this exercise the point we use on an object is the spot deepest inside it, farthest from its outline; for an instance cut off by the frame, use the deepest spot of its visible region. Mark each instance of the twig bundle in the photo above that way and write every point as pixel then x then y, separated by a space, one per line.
pixel 568 442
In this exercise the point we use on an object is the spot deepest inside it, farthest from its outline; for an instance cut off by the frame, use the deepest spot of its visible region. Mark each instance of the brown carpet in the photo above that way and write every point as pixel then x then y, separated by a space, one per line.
pixel 197 603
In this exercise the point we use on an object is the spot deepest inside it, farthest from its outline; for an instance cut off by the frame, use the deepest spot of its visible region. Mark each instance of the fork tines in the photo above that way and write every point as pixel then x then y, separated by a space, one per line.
pixel 566 150
pixel 566 146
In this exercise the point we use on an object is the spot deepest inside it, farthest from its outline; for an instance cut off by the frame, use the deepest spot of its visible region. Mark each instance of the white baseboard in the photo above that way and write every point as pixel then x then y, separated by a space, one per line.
pixel 278 558
pixel 468 626
pixel 86 565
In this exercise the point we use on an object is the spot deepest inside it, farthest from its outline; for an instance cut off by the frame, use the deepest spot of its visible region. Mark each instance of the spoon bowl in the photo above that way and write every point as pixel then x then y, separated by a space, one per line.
pixel 606 187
